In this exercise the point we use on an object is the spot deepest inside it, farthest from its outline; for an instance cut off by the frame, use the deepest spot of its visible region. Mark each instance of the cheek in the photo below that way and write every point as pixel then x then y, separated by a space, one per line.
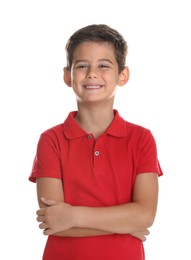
pixel 114 80
pixel 117 79
pixel 76 76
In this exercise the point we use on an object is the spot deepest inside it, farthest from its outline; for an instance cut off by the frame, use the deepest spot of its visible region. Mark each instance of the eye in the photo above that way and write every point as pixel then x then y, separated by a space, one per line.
pixel 82 66
pixel 103 66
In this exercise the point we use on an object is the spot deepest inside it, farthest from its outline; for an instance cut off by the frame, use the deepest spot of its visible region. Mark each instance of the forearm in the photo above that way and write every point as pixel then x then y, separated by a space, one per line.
pixel 81 232
pixel 126 218
pixel 133 217
pixel 88 232
pixel 122 219
pixel 77 221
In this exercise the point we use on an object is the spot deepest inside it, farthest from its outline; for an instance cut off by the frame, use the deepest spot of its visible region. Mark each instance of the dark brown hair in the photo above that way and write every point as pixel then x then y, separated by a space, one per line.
pixel 98 33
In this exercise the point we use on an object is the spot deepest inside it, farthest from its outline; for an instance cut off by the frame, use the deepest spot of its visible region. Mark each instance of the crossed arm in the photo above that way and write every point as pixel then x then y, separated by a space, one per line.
pixel 61 219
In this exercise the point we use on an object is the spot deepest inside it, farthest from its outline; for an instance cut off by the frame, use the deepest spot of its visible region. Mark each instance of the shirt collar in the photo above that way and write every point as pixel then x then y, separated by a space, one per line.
pixel 72 130
pixel 118 126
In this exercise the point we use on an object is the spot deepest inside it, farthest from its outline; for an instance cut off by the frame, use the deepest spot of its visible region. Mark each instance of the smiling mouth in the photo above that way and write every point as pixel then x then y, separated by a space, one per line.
pixel 93 87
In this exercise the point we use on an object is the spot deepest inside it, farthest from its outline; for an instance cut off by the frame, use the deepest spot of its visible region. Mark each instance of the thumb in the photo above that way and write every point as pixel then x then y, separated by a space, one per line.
pixel 48 202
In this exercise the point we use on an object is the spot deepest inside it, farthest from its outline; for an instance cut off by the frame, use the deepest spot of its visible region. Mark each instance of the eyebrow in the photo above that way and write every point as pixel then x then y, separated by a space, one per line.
pixel 100 60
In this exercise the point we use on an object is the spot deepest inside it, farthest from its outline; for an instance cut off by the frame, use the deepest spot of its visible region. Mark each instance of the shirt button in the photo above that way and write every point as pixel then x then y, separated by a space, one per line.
pixel 97 153
pixel 89 136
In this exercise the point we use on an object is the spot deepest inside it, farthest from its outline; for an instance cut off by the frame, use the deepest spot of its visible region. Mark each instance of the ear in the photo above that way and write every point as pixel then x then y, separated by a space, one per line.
pixel 124 77
pixel 67 76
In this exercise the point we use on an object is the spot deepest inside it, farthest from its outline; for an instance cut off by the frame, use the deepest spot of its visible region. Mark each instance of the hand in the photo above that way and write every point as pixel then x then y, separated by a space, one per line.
pixel 141 234
pixel 55 217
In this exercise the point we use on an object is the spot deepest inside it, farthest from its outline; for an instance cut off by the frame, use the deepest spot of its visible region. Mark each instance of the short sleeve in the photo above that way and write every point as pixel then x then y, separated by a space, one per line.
pixel 148 158
pixel 47 160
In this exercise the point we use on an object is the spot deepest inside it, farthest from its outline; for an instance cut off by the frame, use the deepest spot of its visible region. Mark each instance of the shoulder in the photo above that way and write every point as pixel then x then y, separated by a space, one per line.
pixel 50 138
pixel 140 135
pixel 136 129
pixel 54 130
pixel 137 133
pixel 57 130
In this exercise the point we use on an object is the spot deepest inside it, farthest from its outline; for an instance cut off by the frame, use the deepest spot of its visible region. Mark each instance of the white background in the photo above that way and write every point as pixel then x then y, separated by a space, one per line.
pixel 33 98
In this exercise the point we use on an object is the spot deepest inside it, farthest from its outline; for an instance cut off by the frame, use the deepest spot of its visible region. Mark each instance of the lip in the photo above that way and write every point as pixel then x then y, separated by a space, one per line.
pixel 92 86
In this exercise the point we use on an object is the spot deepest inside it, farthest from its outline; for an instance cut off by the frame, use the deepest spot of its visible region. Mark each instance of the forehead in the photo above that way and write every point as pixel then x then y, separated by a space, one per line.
pixel 94 49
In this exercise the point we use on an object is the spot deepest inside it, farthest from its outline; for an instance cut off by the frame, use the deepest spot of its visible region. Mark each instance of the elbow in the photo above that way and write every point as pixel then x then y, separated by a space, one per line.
pixel 148 223
pixel 147 220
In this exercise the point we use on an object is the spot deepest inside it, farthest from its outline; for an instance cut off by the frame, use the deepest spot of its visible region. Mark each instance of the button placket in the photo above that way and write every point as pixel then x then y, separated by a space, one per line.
pixel 89 136
pixel 97 153
pixel 98 157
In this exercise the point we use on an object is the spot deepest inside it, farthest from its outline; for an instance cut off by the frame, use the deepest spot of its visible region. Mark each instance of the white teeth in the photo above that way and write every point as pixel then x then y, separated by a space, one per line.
pixel 92 87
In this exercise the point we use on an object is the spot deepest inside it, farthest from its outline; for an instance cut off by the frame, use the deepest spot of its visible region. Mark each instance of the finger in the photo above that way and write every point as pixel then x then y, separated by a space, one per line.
pixel 147 232
pixel 47 232
pixel 40 219
pixel 40 212
pixel 43 225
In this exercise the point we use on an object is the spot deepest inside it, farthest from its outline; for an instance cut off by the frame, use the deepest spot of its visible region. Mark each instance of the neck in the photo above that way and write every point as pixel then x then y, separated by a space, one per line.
pixel 94 120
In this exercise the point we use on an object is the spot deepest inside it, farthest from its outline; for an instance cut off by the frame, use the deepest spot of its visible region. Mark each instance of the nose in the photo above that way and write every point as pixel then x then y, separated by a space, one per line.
pixel 91 73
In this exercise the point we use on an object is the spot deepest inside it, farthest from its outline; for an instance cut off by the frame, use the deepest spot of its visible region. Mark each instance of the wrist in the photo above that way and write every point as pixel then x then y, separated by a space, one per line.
pixel 79 217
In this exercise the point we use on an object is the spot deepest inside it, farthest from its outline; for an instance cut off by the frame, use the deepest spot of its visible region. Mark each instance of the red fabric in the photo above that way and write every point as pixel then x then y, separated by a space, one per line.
pixel 95 173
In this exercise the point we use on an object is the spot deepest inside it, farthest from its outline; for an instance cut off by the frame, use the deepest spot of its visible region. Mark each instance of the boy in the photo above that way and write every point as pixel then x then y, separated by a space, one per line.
pixel 96 174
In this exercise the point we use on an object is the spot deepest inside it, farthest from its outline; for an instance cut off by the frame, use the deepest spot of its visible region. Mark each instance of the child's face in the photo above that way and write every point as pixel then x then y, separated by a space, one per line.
pixel 94 73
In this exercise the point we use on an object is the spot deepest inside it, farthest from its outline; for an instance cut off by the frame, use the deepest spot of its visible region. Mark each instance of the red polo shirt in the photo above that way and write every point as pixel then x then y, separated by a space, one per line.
pixel 95 173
